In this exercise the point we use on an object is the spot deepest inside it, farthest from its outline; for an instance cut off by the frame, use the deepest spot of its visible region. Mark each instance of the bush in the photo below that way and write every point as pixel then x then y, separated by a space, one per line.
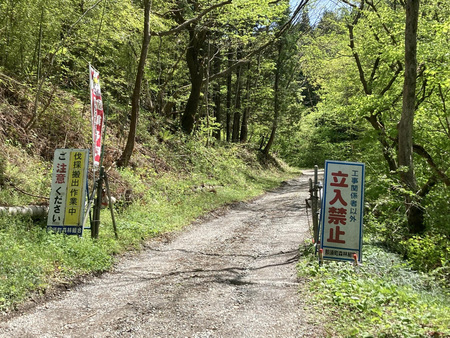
pixel 429 253
pixel 383 297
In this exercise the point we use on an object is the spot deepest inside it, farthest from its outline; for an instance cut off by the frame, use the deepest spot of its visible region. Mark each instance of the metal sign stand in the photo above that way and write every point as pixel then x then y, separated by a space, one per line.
pixel 314 190
pixel 95 225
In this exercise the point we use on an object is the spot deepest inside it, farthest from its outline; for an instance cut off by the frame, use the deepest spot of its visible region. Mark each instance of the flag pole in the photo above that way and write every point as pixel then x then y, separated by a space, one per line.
pixel 98 130
pixel 91 69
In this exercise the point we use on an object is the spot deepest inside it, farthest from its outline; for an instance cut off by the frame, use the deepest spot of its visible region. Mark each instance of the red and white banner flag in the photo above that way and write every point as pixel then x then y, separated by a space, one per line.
pixel 97 115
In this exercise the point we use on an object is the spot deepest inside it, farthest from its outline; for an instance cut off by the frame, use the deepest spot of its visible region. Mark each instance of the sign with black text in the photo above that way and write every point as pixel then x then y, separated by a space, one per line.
pixel 68 193
pixel 342 210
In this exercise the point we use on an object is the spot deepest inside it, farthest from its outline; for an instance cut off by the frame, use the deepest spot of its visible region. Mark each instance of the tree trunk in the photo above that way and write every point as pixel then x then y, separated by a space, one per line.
pixel 237 104
pixel 216 96
pixel 196 69
pixel 244 126
pixel 124 159
pixel 229 89
pixel 405 126
pixel 276 103
pixel 236 125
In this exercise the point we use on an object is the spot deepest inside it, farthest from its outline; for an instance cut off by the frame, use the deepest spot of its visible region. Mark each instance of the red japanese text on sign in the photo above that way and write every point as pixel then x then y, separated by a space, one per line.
pixel 337 215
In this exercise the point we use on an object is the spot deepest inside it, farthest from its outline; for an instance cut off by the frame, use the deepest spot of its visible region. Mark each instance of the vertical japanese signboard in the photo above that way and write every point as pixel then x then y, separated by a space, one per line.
pixel 342 210
pixel 97 115
pixel 67 197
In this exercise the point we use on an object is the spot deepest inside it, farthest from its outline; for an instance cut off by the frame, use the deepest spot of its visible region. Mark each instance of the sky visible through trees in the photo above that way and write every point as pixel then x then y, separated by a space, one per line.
pixel 317 8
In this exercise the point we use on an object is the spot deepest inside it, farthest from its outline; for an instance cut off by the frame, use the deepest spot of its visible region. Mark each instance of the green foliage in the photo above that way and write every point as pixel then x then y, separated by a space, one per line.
pixel 382 297
pixel 325 113
pixel 318 136
pixel 438 208
pixel 429 253
pixel 26 178
pixel 207 127
pixel 32 259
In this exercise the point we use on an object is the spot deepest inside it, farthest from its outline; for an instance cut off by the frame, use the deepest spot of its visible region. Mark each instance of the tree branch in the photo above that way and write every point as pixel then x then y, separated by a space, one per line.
pixel 391 82
pixel 424 88
pixel 185 24
pixel 426 188
pixel 423 153
pixel 282 30
pixel 371 4
pixel 350 26
pixel 382 136
pixel 374 70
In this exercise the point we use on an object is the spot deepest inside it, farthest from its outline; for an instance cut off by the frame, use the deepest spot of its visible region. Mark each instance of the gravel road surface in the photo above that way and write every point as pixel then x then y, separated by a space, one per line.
pixel 230 275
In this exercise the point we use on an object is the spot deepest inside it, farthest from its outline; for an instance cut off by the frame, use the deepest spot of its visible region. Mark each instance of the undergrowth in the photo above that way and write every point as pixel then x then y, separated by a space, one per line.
pixel 383 297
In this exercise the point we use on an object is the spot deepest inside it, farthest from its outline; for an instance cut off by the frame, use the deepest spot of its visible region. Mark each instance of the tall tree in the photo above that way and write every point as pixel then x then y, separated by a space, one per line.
pixel 128 151
pixel 405 126
pixel 284 73
pixel 237 102
pixel 246 110
pixel 194 58
pixel 217 97
pixel 196 53
pixel 246 16
pixel 229 96
pixel 276 104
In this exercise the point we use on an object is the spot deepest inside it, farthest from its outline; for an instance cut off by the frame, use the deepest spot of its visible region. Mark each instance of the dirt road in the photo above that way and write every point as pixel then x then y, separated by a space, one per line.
pixel 230 275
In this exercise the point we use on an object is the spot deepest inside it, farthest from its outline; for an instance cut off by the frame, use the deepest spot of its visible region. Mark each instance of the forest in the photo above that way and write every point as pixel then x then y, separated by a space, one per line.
pixel 368 81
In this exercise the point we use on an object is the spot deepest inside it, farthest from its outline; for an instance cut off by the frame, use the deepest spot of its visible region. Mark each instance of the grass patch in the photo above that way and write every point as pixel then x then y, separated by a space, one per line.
pixel 24 179
pixel 383 297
